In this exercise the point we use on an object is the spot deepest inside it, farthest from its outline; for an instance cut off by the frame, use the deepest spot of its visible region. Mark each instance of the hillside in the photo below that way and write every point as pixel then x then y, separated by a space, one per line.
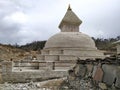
pixel 8 52
pixel 34 46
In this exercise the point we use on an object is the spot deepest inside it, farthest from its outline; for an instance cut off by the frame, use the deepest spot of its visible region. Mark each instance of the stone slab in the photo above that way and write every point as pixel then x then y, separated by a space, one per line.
pixel 109 74
pixel 98 75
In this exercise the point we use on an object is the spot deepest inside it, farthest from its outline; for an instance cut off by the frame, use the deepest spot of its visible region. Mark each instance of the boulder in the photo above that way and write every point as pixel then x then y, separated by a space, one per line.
pixel 80 70
pixel 98 74
pixel 109 74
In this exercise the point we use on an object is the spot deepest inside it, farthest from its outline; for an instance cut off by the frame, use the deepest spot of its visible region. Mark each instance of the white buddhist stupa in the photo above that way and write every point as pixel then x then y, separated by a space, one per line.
pixel 66 46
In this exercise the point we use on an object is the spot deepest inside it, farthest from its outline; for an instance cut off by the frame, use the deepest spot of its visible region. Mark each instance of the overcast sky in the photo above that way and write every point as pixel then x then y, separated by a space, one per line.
pixel 24 21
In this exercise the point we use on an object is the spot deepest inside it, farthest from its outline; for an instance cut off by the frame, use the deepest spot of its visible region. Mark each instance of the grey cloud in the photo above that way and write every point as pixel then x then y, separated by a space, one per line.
pixel 8 32
pixel 44 18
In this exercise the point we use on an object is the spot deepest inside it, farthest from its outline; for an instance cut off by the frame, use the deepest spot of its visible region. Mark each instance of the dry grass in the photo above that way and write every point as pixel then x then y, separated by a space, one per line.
pixel 7 52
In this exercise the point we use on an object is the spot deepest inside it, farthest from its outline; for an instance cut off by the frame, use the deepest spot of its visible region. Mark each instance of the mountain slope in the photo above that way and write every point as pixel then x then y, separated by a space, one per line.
pixel 8 52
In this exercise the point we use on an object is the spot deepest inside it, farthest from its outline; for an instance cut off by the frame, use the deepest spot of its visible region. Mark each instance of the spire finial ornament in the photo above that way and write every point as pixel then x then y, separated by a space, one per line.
pixel 69 8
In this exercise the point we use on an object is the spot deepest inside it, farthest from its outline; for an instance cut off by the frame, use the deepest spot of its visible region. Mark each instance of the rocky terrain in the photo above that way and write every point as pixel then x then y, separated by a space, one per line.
pixel 44 85
pixel 57 84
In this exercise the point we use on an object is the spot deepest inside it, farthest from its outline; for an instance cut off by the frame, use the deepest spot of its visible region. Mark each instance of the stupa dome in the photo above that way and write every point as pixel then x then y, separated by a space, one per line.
pixel 70 40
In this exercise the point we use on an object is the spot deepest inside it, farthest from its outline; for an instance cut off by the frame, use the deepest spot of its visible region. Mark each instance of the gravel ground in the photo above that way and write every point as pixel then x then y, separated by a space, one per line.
pixel 74 85
pixel 44 85
pixel 24 86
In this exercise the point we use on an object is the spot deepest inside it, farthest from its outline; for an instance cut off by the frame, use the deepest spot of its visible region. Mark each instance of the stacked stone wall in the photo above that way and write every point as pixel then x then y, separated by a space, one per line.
pixel 9 75
pixel 31 76
pixel 97 74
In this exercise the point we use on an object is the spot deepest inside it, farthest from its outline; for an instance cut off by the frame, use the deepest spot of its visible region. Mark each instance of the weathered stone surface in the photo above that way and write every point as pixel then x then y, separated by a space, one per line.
pixel 98 74
pixel 117 83
pixel 94 70
pixel 109 74
pixel 1 78
pixel 80 70
pixel 7 67
pixel 89 69
pixel 102 86
pixel 71 76
pixel 27 76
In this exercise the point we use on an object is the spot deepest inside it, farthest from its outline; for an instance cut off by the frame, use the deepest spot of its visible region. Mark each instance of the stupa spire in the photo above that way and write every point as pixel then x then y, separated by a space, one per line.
pixel 70 22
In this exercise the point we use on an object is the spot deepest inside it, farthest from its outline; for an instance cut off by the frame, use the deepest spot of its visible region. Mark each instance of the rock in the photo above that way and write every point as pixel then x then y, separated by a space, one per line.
pixel 98 74
pixel 89 70
pixel 80 70
pixel 94 70
pixel 24 88
pixel 117 83
pixel 113 88
pixel 71 75
pixel 102 86
pixel 109 74
pixel 38 85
